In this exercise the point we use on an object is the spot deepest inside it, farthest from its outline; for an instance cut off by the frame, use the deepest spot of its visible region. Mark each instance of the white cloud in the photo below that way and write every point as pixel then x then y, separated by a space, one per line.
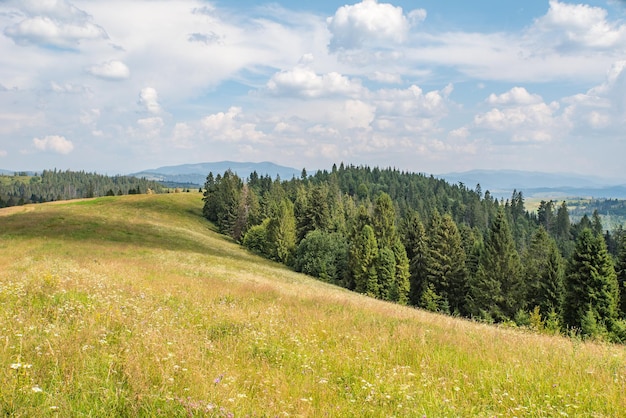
pixel 515 96
pixel 149 98
pixel 55 23
pixel 230 126
pixel 304 82
pixel 603 106
pixel 370 22
pixel 353 114
pixel 383 77
pixel 412 102
pixel 522 117
pixel 568 27
pixel 182 135
pixel 150 127
pixel 111 70
pixel 54 143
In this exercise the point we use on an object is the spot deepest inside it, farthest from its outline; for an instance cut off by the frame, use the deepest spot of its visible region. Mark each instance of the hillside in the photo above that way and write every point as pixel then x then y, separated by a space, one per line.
pixel 135 306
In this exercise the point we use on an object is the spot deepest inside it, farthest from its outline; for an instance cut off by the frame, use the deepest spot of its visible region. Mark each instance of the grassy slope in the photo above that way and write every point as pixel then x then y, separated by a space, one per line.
pixel 127 306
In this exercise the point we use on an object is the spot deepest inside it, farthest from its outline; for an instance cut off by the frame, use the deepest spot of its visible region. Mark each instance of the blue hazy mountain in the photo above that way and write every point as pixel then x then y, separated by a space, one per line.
pixel 501 183
pixel 196 173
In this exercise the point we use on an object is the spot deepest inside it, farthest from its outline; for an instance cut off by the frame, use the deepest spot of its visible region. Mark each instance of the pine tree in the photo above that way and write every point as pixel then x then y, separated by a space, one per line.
pixel 591 288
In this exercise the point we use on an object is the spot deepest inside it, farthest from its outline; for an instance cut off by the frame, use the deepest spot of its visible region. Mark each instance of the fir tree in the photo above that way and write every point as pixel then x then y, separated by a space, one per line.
pixel 591 288
pixel 543 270
pixel 445 262
pixel 363 256
pixel 621 276
pixel 497 288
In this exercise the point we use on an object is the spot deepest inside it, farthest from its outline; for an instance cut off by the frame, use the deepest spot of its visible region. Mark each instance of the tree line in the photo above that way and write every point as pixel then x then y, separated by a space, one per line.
pixel 53 185
pixel 418 240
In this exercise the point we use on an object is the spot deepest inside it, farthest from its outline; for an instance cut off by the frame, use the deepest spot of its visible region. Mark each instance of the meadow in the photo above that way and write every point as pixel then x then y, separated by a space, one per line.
pixel 134 306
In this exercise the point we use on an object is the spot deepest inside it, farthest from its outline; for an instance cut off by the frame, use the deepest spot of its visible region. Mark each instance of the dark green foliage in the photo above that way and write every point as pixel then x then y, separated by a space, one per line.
pixel 591 289
pixel 361 228
pixel 416 250
pixel 362 259
pixel 222 198
pixel 543 272
pixel 53 185
pixel 444 264
pixel 384 220
pixel 255 239
pixel 386 270
pixel 399 291
pixel 324 255
pixel 497 288
pixel 281 232
pixel 621 276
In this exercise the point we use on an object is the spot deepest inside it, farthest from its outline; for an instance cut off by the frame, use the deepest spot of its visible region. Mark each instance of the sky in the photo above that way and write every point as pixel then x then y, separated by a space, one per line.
pixel 119 86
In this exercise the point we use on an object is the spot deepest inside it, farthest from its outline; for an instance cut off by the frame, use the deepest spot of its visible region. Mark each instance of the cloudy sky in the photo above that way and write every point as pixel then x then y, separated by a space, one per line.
pixel 119 86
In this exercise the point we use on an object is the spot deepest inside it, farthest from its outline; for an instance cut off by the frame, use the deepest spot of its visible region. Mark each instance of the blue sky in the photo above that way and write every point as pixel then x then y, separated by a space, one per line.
pixel 119 86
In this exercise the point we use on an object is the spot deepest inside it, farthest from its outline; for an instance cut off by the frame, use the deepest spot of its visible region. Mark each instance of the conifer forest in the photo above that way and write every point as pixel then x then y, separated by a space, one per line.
pixel 417 240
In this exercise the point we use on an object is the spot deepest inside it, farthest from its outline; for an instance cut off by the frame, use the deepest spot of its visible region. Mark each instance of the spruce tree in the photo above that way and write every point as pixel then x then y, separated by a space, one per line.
pixel 591 288
pixel 416 249
pixel 281 232
pixel 497 289
pixel 363 256
pixel 445 262
pixel 543 272
pixel 401 285
pixel 621 276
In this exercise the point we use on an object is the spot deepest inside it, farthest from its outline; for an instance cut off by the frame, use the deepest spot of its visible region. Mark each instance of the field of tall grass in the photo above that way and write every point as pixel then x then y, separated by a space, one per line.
pixel 134 306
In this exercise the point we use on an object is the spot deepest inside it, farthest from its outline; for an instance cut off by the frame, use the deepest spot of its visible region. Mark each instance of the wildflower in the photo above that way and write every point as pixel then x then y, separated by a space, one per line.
pixel 37 389
pixel 218 379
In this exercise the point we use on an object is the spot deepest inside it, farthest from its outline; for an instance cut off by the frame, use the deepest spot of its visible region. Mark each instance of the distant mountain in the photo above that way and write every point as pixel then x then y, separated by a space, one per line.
pixel 501 183
pixel 6 172
pixel 197 173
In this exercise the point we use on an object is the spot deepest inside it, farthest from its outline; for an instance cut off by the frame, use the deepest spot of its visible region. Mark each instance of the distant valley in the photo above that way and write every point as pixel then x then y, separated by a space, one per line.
pixel 500 183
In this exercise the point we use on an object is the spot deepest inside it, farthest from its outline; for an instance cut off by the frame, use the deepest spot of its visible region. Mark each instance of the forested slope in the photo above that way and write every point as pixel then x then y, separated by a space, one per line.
pixel 414 239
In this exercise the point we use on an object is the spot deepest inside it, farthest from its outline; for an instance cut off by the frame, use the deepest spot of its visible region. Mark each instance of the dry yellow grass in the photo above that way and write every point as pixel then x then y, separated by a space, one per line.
pixel 134 306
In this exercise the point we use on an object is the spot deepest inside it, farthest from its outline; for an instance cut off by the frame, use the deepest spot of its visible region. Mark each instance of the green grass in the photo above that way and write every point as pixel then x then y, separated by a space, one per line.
pixel 134 306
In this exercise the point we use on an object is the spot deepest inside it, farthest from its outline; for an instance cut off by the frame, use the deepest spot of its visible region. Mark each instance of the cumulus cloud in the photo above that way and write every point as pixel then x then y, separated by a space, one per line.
pixel 54 143
pixel 524 117
pixel 55 23
pixel 111 70
pixel 602 106
pixel 370 22
pixel 150 127
pixel 304 82
pixel 354 114
pixel 149 98
pixel 413 101
pixel 230 126
pixel 515 96
pixel 569 27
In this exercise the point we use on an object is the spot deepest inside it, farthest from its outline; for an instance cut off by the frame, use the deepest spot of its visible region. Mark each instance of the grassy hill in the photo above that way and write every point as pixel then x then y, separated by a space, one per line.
pixel 134 306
